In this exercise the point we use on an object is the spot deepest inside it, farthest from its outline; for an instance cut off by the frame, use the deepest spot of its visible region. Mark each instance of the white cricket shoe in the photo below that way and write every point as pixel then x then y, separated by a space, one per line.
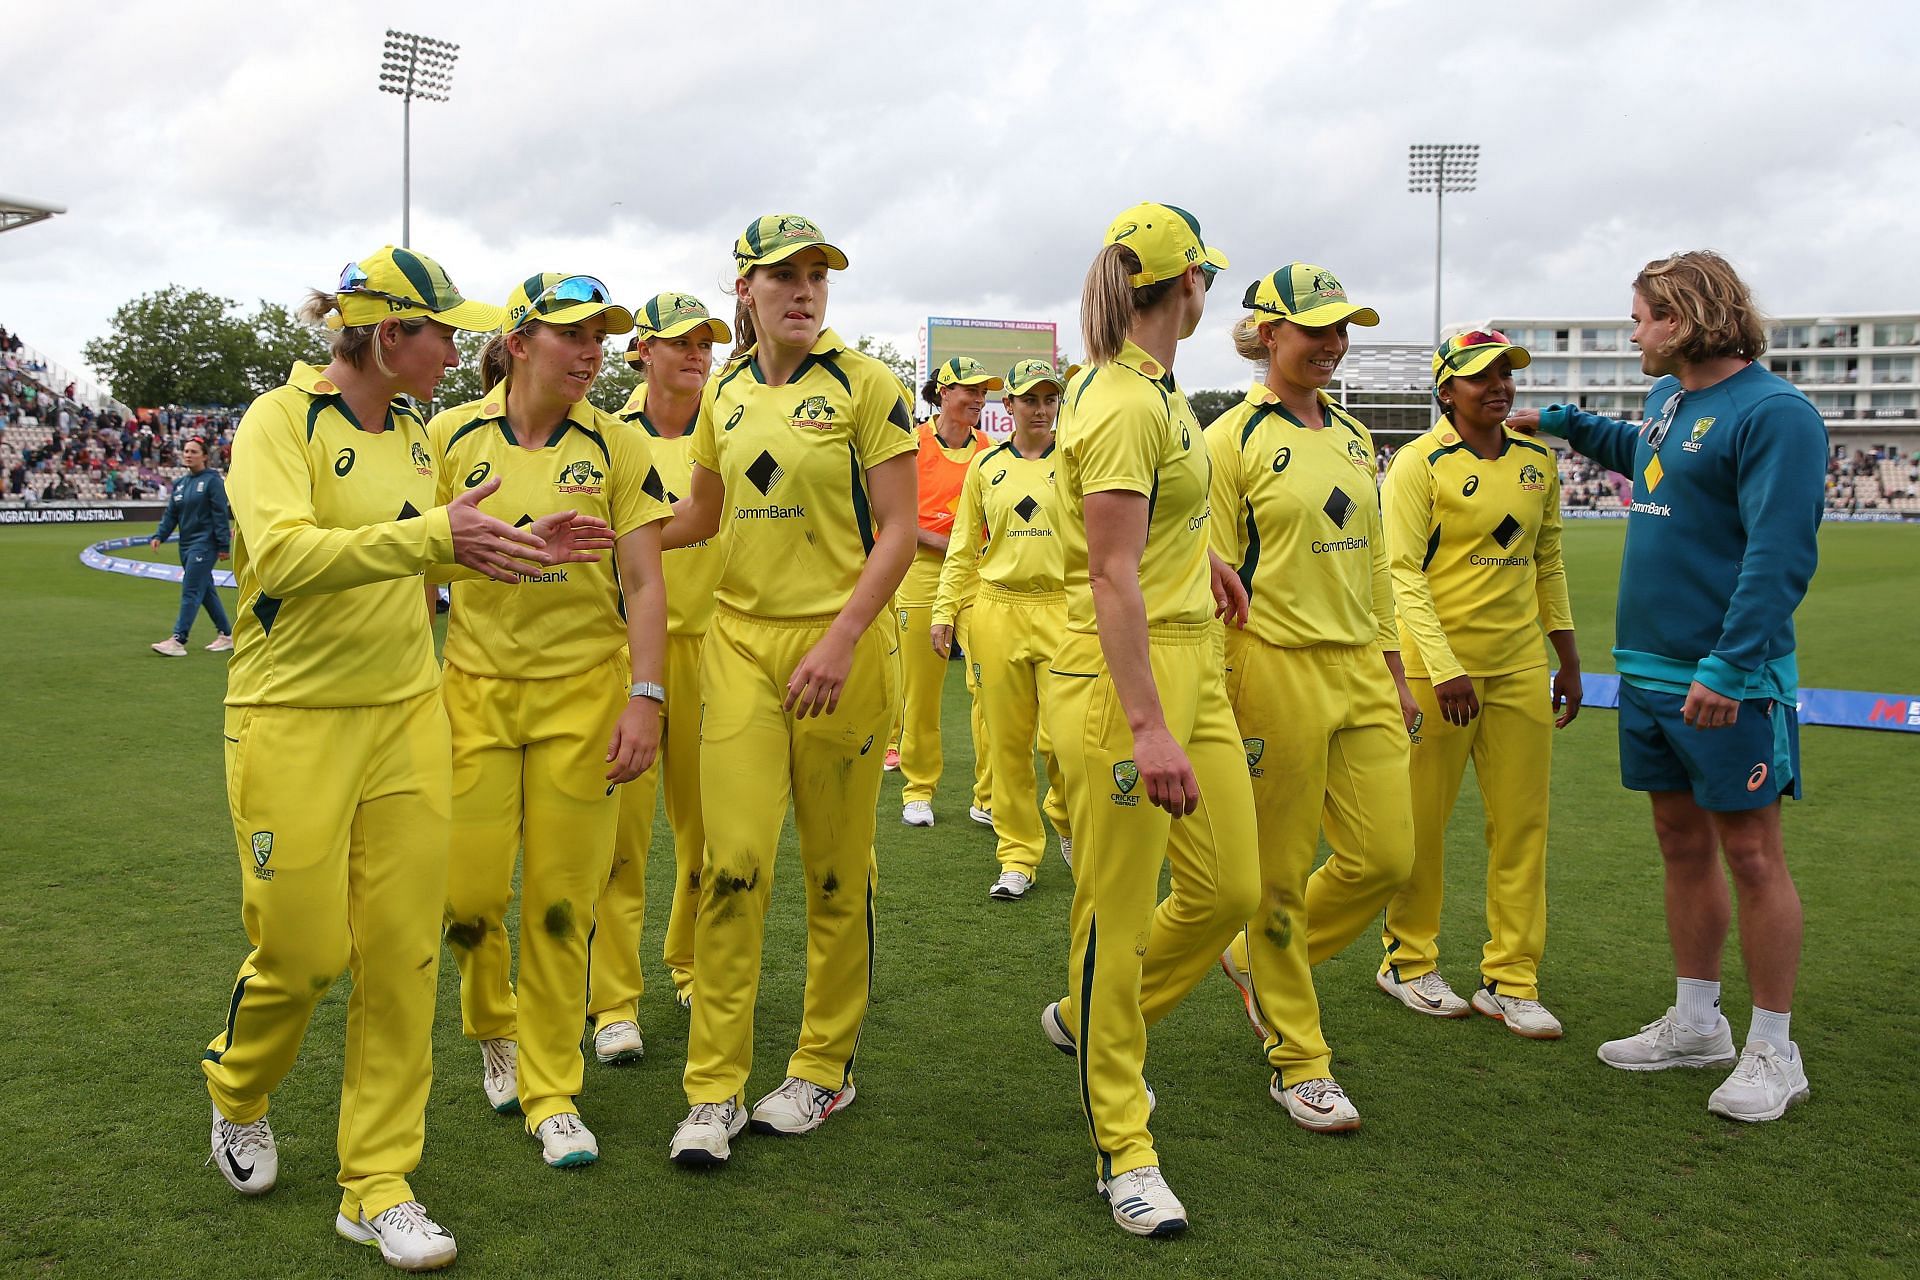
pixel 1010 886
pixel 220 644
pixel 1667 1042
pixel 1763 1086
pixel 917 813
pixel 246 1154
pixel 1527 1018
pixel 1428 994
pixel 982 816
pixel 1319 1104
pixel 1066 851
pixel 704 1138
pixel 799 1106
pixel 1143 1203
pixel 617 1043
pixel 1060 1038
pixel 565 1143
pixel 1242 979
pixel 169 648
pixel 406 1237
pixel 500 1074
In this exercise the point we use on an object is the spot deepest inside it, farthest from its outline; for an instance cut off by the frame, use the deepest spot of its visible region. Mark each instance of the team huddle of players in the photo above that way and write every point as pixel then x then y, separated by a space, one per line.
pixel 1222 643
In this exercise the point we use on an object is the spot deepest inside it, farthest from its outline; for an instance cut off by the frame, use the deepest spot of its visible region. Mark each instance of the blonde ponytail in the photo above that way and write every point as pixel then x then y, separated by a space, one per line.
pixel 1246 341
pixel 352 343
pixel 1109 304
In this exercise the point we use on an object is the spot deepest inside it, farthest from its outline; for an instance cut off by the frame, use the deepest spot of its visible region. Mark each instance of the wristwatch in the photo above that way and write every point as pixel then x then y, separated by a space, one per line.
pixel 648 689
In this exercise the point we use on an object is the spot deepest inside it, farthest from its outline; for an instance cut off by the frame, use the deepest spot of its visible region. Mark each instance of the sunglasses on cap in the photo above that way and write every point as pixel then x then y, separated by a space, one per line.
pixel 353 279
pixel 564 293
pixel 1458 350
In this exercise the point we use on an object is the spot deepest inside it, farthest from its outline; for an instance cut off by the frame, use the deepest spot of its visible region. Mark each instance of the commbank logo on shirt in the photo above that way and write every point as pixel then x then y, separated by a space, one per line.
pixel 1508 532
pixel 1339 507
pixel 1025 508
pixel 765 471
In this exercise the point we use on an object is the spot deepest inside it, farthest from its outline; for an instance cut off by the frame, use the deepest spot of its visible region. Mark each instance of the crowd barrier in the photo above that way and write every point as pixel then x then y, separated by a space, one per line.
pixel 1835 708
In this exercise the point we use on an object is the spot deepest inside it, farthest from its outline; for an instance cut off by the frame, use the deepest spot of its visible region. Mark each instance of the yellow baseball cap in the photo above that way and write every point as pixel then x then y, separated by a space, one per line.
pixel 670 315
pixel 779 236
pixel 1167 240
pixel 965 371
pixel 1307 295
pixel 1028 374
pixel 563 299
pixel 400 284
pixel 1465 354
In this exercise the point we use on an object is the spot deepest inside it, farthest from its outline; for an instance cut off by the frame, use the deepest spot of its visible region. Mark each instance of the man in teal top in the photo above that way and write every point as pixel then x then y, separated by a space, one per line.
pixel 1728 487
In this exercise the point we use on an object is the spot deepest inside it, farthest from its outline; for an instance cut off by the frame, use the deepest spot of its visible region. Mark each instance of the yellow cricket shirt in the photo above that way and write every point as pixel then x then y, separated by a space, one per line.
pixel 1126 426
pixel 797 524
pixel 333 526
pixel 1475 548
pixel 571 617
pixel 692 571
pixel 1296 512
pixel 1007 500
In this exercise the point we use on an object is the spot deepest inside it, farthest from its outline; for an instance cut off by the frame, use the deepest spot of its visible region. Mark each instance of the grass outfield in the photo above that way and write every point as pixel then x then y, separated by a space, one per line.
pixel 1483 1154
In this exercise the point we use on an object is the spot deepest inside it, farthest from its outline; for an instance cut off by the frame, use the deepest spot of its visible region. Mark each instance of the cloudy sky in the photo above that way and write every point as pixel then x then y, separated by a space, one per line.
pixel 967 156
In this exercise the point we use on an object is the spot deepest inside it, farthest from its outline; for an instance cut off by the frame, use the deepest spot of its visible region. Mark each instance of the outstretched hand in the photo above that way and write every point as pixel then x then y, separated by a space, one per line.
pixel 487 545
pixel 1525 421
pixel 571 538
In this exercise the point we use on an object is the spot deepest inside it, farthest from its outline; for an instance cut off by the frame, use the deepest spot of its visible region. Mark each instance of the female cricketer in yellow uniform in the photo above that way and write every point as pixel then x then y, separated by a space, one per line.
pixel 803 454
pixel 947 445
pixel 1016 584
pixel 1145 739
pixel 336 743
pixel 674 348
pixel 1315 675
pixel 553 690
pixel 1473 530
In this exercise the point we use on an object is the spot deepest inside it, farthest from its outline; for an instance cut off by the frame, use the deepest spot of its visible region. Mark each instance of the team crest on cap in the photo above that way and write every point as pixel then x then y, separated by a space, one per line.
pixel 1326 286
pixel 1126 776
pixel 796 228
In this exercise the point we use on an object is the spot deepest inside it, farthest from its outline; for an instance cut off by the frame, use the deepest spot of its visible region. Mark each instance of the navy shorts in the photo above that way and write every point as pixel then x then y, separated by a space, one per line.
pixel 1745 765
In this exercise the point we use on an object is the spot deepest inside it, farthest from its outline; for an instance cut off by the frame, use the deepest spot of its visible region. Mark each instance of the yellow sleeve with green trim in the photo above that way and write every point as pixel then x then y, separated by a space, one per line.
pixel 1407 498
pixel 1556 611
pixel 1226 487
pixel 960 571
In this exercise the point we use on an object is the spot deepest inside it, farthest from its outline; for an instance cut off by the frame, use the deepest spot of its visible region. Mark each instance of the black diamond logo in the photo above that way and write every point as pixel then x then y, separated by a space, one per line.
pixel 653 486
pixel 523 522
pixel 407 512
pixel 1025 509
pixel 1340 507
pixel 1508 532
pixel 765 472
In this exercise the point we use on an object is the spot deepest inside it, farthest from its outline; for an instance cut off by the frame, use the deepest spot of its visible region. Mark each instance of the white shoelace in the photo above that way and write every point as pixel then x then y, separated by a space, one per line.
pixel 409 1218
pixel 1431 985
pixel 1319 1092
pixel 566 1125
pixel 709 1113
pixel 245 1139
pixel 496 1060
pixel 1518 1004
pixel 1754 1064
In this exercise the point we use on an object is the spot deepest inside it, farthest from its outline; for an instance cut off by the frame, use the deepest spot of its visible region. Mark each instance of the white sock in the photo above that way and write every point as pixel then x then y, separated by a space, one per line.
pixel 1771 1027
pixel 1698 1004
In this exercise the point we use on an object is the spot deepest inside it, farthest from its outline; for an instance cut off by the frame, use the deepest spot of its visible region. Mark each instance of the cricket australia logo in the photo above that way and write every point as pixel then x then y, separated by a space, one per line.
pixel 579 477
pixel 421 462
pixel 1126 776
pixel 1532 478
pixel 1357 453
pixel 1256 748
pixel 262 852
pixel 1700 428
pixel 813 412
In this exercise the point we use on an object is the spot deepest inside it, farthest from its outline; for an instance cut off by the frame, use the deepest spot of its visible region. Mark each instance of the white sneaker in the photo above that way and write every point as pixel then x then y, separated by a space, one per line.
pixel 1010 886
pixel 500 1074
pixel 618 1042
pixel 565 1143
pixel 1666 1042
pixel 1060 1038
pixel 1066 851
pixel 221 644
pixel 799 1106
pixel 169 648
pixel 1428 994
pixel 704 1138
pixel 917 813
pixel 406 1236
pixel 1143 1203
pixel 246 1154
pixel 1242 979
pixel 1320 1105
pixel 1527 1018
pixel 982 816
pixel 1763 1086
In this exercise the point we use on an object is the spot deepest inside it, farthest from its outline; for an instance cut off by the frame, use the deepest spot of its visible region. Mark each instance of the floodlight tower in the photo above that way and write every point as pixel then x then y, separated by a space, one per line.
pixel 414 66
pixel 1443 168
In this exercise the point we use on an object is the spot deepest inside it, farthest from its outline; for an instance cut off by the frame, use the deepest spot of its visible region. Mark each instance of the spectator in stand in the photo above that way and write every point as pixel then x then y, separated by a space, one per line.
pixel 198 506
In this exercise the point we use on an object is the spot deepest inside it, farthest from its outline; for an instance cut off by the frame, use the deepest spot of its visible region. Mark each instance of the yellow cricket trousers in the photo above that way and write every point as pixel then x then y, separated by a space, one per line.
pixel 1131 961
pixel 1511 742
pixel 755 757
pixel 1014 635
pixel 614 958
pixel 340 815
pixel 923 675
pixel 529 776
pixel 1325 744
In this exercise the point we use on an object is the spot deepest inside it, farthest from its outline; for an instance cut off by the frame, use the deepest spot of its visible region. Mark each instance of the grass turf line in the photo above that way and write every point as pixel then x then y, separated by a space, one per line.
pixel 1483 1154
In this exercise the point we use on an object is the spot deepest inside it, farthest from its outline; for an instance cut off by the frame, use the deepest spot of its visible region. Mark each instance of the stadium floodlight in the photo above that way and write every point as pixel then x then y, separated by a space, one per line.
pixel 1444 168
pixel 15 212
pixel 414 66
